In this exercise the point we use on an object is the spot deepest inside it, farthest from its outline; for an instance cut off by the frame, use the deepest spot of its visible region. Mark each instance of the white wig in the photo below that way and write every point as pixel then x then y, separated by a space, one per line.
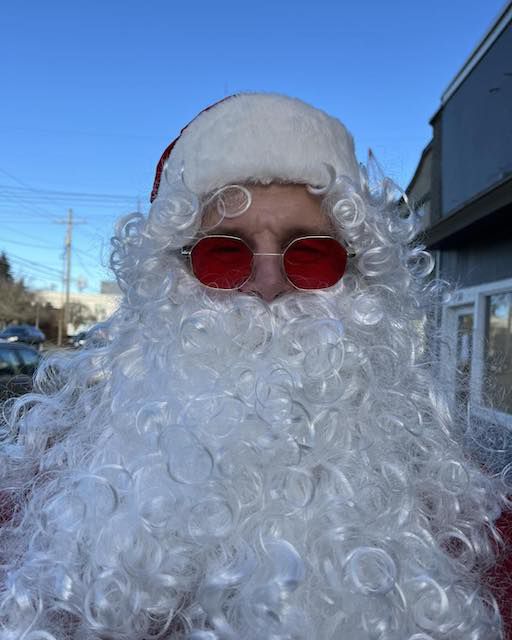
pixel 222 468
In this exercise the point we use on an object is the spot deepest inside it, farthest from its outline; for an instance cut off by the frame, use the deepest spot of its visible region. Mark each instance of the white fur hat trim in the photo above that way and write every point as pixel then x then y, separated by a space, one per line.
pixel 262 138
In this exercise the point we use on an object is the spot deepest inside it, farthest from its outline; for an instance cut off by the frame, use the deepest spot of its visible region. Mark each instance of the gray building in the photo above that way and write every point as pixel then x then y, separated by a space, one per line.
pixel 464 184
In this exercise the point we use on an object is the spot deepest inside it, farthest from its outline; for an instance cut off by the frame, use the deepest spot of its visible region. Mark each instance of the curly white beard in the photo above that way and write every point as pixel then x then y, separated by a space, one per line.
pixel 225 469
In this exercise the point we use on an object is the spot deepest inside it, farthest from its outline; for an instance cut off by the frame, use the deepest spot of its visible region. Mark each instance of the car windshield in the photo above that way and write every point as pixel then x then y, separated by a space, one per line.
pixel 30 360
pixel 9 364
pixel 9 331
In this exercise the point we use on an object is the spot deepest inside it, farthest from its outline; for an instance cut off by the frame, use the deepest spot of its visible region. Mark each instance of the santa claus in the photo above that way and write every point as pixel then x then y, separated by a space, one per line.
pixel 260 449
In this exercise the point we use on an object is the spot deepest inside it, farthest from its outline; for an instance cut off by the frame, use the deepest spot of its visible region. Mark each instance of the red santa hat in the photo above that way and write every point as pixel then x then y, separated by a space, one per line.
pixel 259 138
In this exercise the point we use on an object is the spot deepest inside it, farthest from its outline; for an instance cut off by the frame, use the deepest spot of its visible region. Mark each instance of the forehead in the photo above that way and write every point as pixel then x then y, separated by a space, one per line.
pixel 276 209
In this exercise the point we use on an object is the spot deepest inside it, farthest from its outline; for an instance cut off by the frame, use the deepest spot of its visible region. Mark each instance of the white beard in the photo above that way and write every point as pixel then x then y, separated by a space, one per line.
pixel 239 471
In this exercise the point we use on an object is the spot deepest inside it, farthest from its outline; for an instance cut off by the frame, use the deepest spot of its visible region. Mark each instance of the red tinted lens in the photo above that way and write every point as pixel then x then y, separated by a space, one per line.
pixel 221 262
pixel 315 263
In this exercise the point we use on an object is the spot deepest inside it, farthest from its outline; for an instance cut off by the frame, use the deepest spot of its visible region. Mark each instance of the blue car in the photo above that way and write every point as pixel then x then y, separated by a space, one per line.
pixel 23 333
pixel 18 363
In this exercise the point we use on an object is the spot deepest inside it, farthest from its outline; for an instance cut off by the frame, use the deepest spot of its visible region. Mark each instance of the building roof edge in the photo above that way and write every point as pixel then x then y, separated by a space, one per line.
pixel 492 34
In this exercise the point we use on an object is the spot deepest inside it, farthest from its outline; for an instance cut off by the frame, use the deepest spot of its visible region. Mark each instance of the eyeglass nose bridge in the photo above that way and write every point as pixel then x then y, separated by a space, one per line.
pixel 279 254
pixel 254 268
pixel 259 253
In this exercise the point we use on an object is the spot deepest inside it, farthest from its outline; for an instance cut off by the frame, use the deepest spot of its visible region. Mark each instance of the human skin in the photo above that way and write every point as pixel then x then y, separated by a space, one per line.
pixel 278 214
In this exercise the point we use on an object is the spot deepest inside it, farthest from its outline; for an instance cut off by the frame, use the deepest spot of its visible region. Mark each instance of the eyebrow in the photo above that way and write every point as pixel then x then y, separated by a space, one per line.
pixel 291 233
pixel 311 231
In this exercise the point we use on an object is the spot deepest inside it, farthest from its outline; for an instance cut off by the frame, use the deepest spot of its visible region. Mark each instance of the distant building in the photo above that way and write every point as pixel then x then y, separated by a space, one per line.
pixel 99 305
pixel 110 287
pixel 420 188
pixel 464 183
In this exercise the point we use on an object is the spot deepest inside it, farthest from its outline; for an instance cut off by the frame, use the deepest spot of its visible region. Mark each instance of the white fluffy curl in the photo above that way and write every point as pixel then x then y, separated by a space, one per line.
pixel 226 469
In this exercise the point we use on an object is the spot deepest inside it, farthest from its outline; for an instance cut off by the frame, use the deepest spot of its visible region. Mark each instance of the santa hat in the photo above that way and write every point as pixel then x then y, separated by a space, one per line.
pixel 257 138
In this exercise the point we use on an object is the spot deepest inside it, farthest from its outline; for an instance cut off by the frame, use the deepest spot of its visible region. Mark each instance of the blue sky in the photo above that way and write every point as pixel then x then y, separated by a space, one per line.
pixel 91 92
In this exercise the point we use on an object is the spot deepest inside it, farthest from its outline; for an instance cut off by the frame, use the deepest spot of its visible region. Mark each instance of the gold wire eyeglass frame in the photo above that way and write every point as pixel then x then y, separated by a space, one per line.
pixel 186 252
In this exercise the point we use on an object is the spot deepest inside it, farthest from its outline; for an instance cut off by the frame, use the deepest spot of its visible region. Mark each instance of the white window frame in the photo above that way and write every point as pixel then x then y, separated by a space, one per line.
pixel 474 297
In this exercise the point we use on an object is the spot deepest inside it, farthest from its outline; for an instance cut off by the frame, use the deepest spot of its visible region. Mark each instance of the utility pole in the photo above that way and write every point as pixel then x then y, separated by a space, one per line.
pixel 66 284
pixel 69 234
pixel 61 310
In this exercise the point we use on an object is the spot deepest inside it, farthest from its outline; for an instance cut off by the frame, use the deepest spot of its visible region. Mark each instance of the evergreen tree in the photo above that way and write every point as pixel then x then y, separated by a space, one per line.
pixel 15 298
pixel 5 268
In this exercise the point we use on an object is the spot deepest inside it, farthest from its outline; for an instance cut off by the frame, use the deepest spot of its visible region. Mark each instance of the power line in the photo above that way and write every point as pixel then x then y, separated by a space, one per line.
pixel 33 272
pixel 9 175
pixel 103 218
pixel 108 212
pixel 23 184
pixel 27 187
pixel 84 266
pixel 25 222
pixel 25 235
pixel 45 247
pixel 35 265
pixel 29 198
pixel 81 132
pixel 37 269
pixel 21 202
pixel 57 193
pixel 87 255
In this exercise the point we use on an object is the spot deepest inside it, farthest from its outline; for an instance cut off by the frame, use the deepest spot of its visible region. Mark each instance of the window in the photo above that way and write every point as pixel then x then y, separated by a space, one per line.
pixel 30 361
pixel 9 365
pixel 463 357
pixel 476 357
pixel 497 381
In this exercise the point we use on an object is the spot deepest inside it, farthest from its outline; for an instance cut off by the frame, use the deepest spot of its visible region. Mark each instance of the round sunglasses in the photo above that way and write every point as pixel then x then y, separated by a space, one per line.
pixel 227 262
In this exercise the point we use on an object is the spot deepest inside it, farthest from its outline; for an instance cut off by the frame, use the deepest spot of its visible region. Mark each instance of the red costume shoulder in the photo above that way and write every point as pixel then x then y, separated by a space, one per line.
pixel 500 578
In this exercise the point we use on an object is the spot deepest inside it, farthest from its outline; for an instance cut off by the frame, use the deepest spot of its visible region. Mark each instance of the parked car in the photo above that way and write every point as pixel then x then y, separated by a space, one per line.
pixel 18 363
pixel 78 340
pixel 95 337
pixel 23 333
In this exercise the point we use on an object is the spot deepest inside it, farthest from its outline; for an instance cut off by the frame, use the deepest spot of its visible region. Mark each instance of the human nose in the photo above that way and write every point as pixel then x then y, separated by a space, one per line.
pixel 267 278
